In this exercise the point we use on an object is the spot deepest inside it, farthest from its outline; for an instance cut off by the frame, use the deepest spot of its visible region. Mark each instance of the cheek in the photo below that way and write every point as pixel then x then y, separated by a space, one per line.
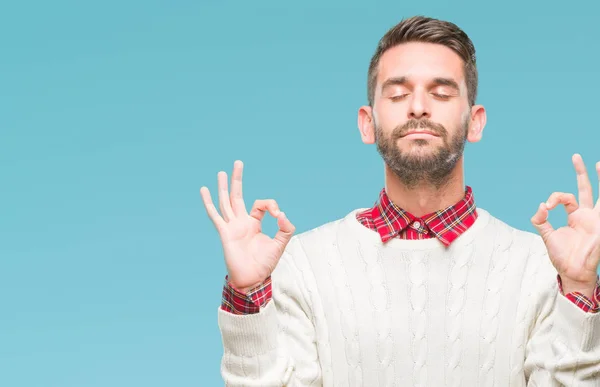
pixel 389 117
pixel 447 116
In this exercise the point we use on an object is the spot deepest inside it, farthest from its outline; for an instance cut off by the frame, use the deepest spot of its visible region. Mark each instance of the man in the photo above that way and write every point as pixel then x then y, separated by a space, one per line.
pixel 422 289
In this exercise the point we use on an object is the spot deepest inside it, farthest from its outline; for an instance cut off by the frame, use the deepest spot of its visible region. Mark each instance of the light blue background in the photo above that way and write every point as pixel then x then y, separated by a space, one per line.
pixel 113 114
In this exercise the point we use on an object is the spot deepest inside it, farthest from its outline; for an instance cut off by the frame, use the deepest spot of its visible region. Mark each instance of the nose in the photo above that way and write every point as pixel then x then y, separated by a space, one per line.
pixel 419 106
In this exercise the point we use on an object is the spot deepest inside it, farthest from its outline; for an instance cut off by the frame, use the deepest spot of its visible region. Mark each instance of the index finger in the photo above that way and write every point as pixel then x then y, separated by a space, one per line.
pixel 586 196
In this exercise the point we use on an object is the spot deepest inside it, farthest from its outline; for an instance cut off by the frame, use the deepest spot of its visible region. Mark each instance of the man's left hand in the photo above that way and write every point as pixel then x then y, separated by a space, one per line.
pixel 574 249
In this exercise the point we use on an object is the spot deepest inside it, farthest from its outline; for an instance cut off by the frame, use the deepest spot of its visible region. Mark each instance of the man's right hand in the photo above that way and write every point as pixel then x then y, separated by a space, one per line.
pixel 250 255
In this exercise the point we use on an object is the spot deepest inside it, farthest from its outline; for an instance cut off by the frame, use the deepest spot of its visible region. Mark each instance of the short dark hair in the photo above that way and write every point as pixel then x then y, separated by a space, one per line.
pixel 427 30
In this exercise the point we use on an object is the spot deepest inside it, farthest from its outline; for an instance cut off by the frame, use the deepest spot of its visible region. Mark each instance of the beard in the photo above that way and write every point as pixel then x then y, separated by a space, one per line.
pixel 422 166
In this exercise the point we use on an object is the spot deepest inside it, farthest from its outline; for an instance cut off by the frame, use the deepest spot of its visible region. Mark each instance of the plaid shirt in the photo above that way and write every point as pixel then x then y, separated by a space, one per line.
pixel 390 221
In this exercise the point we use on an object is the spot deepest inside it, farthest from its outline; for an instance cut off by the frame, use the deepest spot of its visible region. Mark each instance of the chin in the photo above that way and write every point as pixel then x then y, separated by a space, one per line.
pixel 421 142
pixel 419 148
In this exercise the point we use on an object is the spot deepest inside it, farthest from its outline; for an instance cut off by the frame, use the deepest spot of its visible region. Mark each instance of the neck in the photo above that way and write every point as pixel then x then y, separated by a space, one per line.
pixel 425 198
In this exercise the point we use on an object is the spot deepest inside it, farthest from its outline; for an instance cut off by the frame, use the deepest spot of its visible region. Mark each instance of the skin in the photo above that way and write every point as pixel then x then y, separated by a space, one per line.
pixel 420 86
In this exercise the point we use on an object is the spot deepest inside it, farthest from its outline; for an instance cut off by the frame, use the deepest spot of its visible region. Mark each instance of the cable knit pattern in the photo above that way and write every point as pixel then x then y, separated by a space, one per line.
pixel 351 310
pixel 417 274
pixel 380 301
pixel 347 313
pixel 324 350
pixel 529 281
pixel 455 301
pixel 492 294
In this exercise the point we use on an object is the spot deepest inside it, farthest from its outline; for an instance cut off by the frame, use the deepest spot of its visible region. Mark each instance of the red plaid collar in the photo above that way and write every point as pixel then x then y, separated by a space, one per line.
pixel 448 224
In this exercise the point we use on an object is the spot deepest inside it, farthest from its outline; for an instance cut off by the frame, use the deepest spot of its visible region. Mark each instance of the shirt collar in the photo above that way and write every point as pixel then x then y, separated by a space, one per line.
pixel 446 224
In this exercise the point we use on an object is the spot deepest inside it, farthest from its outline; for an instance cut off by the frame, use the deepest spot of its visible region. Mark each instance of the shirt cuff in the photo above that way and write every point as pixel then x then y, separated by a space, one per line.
pixel 583 302
pixel 236 302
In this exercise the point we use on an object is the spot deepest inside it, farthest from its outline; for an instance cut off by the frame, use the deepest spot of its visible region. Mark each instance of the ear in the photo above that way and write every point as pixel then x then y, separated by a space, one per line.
pixel 366 124
pixel 477 123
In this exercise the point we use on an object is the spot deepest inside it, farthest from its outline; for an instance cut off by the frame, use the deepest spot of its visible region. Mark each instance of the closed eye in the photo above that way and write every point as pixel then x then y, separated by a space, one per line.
pixel 441 96
pixel 398 97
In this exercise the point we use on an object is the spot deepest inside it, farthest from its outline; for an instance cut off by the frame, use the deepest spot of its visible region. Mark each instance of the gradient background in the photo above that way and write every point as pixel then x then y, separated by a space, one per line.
pixel 113 114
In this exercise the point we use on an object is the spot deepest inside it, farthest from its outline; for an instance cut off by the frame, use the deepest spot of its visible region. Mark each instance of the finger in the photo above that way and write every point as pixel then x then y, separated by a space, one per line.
pixel 286 230
pixel 212 212
pixel 237 198
pixel 224 203
pixel 566 199
pixel 261 206
pixel 597 207
pixel 541 223
pixel 586 196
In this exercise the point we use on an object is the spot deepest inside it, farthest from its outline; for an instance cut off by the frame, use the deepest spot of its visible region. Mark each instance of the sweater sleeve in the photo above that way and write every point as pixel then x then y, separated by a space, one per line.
pixel 277 345
pixel 564 344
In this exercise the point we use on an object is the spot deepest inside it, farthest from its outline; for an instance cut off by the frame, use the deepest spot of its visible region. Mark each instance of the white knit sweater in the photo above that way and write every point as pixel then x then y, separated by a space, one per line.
pixel 349 310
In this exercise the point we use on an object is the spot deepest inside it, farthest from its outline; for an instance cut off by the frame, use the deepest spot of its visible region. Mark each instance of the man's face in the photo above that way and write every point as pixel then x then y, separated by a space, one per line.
pixel 421 112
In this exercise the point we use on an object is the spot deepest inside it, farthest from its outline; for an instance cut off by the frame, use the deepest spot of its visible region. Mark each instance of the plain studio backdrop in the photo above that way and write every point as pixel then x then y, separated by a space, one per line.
pixel 113 114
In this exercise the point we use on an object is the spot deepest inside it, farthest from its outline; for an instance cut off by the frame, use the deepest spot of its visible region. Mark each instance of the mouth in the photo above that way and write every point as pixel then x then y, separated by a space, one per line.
pixel 422 134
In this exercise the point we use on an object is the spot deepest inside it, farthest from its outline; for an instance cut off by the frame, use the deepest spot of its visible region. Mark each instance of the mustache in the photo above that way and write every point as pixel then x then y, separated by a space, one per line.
pixel 413 124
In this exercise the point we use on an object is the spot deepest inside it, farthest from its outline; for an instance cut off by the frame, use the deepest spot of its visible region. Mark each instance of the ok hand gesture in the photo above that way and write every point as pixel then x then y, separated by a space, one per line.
pixel 574 249
pixel 250 255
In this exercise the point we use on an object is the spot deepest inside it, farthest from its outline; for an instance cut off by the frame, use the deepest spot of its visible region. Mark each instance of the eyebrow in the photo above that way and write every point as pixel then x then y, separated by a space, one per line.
pixel 446 82
pixel 438 81
pixel 393 82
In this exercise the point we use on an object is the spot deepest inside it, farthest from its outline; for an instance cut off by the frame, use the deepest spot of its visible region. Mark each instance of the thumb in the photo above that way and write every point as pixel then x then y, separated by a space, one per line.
pixel 286 230
pixel 541 223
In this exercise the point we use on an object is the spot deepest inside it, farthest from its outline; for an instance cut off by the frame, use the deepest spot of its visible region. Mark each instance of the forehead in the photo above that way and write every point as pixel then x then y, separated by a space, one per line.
pixel 421 62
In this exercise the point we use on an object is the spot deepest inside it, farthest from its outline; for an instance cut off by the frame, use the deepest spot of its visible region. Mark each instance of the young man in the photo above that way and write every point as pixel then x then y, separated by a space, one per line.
pixel 422 289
